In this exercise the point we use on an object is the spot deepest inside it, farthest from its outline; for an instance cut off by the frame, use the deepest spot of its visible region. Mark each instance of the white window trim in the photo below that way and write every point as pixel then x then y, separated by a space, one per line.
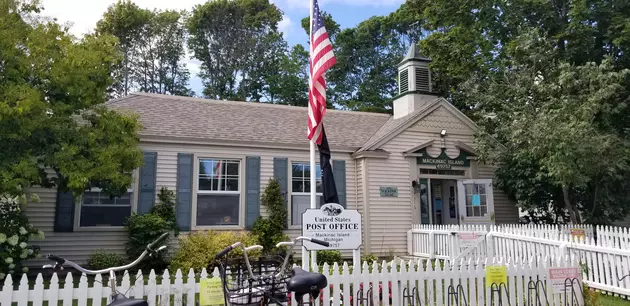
pixel 241 185
pixel 134 205
pixel 290 193
pixel 461 198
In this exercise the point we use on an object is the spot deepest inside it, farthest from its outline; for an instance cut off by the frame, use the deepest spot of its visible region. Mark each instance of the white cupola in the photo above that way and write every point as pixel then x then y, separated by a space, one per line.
pixel 415 88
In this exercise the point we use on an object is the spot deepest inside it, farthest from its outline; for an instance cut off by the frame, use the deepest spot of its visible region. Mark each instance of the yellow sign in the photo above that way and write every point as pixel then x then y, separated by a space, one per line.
pixel 211 292
pixel 496 275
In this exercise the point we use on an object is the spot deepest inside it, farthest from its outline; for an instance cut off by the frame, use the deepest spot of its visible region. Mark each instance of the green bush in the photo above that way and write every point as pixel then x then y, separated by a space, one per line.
pixel 270 230
pixel 15 234
pixel 144 229
pixel 165 207
pixel 370 258
pixel 328 256
pixel 100 259
pixel 198 249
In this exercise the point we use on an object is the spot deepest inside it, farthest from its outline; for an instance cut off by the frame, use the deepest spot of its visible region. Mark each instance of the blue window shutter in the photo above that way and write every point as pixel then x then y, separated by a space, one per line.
pixel 252 186
pixel 280 172
pixel 148 172
pixel 184 191
pixel 339 172
pixel 64 212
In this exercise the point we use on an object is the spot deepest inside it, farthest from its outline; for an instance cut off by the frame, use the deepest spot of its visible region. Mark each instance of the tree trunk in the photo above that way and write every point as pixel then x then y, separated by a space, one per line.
pixel 575 218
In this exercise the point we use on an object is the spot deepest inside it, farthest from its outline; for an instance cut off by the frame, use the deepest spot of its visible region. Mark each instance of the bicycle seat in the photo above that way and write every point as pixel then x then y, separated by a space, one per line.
pixel 306 282
pixel 121 300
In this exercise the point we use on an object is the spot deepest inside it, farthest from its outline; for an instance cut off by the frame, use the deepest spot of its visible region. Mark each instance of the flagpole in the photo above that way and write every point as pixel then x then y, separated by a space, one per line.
pixel 305 257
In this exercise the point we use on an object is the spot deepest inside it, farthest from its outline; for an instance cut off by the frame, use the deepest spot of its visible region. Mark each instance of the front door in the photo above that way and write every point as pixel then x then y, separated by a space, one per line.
pixel 438 203
pixel 424 202
pixel 450 198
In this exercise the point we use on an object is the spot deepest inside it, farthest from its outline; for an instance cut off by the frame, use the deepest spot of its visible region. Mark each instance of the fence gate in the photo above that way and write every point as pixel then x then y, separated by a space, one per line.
pixel 469 244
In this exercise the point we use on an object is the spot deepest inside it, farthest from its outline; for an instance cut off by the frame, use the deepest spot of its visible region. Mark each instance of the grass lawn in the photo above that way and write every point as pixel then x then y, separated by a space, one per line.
pixel 609 300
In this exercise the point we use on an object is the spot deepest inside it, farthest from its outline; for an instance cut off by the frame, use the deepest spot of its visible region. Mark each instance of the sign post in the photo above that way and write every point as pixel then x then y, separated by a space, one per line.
pixel 336 225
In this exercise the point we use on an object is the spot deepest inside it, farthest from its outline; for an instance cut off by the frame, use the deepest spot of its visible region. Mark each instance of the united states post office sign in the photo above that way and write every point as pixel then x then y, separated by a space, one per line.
pixel 332 223
pixel 389 191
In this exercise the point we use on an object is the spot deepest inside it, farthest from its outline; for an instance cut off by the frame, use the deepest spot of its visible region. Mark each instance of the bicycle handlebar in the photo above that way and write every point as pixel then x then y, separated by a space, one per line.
pixel 59 261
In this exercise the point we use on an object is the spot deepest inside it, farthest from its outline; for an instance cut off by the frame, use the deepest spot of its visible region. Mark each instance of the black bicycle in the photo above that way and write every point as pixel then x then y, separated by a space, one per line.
pixel 117 298
pixel 268 280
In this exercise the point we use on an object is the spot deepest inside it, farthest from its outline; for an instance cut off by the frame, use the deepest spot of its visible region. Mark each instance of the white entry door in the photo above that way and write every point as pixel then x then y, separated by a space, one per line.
pixel 476 201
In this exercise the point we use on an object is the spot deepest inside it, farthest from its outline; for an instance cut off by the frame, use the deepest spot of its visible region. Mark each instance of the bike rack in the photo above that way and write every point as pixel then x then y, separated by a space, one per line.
pixel 575 300
pixel 536 286
pixel 369 298
pixel 458 295
pixel 410 297
pixel 494 288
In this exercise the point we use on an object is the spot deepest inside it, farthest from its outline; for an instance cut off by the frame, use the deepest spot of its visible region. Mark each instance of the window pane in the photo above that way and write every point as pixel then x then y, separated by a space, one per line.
pixel 307 186
pixel 298 186
pixel 307 171
pixel 476 211
pixel 469 189
pixel 299 204
pixel 475 189
pixel 482 189
pixel 297 171
pixel 318 174
pixel 207 183
pixel 218 209
pixel 469 211
pixel 232 169
pixel 104 215
pixel 484 210
pixel 468 200
pixel 482 200
pixel 318 187
pixel 207 167
pixel 231 184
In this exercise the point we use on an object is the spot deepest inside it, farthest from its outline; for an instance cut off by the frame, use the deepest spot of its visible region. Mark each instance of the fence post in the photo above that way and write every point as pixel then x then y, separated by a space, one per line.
pixel 431 244
pixel 489 245
pixel 410 243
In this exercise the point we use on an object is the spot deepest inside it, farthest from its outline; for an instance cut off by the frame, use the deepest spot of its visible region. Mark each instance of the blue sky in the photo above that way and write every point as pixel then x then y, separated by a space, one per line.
pixel 82 15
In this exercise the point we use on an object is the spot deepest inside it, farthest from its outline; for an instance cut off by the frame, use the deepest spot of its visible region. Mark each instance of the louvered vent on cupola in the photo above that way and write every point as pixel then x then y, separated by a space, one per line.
pixel 423 80
pixel 403 83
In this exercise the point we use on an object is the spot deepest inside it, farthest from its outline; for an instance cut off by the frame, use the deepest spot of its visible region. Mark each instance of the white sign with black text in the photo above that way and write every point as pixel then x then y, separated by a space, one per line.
pixel 334 224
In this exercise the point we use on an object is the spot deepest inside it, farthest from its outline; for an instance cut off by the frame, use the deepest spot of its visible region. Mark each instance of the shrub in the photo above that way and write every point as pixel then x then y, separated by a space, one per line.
pixel 165 208
pixel 328 256
pixel 370 258
pixel 15 233
pixel 100 259
pixel 198 249
pixel 144 229
pixel 270 230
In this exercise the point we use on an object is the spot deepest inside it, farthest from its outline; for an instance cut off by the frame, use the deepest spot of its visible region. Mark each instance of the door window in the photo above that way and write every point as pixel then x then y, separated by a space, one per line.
pixel 476 199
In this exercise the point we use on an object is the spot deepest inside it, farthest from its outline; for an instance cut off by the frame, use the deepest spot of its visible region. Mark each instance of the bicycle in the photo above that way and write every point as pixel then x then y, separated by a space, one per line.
pixel 255 287
pixel 117 298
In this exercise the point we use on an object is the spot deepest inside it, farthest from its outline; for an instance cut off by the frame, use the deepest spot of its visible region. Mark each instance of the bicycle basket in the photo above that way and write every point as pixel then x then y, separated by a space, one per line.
pixel 240 288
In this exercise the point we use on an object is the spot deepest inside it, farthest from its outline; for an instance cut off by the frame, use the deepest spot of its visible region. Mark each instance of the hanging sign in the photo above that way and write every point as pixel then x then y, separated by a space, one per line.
pixel 334 224
pixel 496 275
pixel 562 279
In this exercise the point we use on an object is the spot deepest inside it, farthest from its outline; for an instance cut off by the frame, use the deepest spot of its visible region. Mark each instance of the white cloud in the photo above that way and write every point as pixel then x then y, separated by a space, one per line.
pixel 284 26
pixel 84 14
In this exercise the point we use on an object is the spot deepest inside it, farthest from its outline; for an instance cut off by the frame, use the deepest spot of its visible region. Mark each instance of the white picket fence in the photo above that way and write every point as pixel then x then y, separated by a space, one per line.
pixel 430 284
pixel 606 261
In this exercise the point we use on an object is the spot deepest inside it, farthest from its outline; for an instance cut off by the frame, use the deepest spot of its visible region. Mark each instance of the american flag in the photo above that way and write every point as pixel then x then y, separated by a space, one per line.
pixel 322 58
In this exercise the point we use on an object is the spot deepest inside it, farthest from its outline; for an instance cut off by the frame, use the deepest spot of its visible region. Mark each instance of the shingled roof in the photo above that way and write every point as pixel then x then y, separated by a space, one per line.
pixel 212 120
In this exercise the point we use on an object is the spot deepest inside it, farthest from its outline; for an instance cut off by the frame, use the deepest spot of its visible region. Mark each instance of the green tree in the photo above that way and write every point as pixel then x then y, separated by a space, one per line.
pixel 559 123
pixel 270 230
pixel 127 22
pixel 52 114
pixel 234 40
pixel 365 76
pixel 153 46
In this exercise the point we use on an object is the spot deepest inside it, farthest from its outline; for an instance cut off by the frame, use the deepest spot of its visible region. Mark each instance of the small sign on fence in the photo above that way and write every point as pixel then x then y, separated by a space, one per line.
pixel 211 292
pixel 467 240
pixel 578 232
pixel 561 278
pixel 496 275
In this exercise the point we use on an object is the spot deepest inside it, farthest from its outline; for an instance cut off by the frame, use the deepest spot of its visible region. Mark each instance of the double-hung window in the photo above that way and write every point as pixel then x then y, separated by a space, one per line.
pixel 476 198
pixel 218 192
pixel 100 209
pixel 301 189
